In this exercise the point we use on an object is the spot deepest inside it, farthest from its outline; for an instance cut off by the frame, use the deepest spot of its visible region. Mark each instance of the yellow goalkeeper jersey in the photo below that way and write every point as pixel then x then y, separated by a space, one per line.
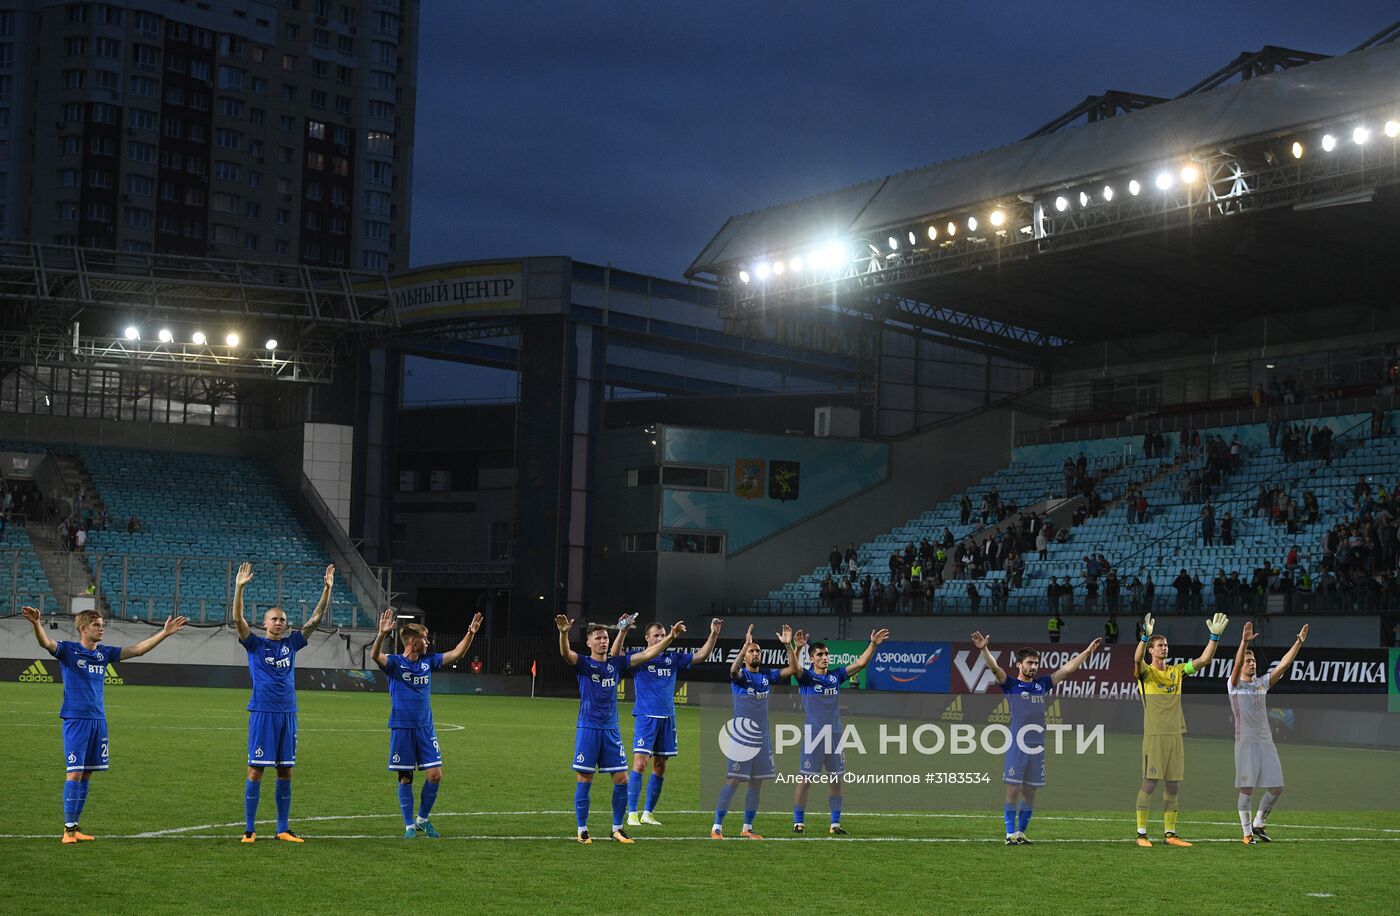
pixel 1161 698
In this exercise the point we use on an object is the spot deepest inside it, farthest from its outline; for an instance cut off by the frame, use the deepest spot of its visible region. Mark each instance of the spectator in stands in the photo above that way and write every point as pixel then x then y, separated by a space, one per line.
pixel 1052 596
pixel 1273 425
pixel 133 525
pixel 896 564
pixel 1227 530
pixel 1207 525
pixel 1066 595
pixel 1141 506
pixel 79 538
pixel 1112 592
pixel 1069 473
pixel 850 554
pixel 1016 568
pixel 974 598
pixel 964 509
pixel 947 540
pixel 1000 593
pixel 1042 544
pixel 1149 591
pixel 1182 584
pixel 1110 631
pixel 1147 445
pixel 1197 588
pixel 1062 536
pixel 834 558
pixel 1055 625
pixel 1091 593
pixel 1081 513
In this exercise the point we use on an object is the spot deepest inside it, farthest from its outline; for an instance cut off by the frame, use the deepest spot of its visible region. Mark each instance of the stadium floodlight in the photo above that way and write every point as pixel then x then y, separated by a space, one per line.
pixel 933 233
pixel 272 344
pixel 778 268
pixel 199 339
pixel 743 276
pixel 1061 204
pixel 132 333
pixel 1134 188
pixel 795 265
pixel 1329 143
pixel 836 254
pixel 165 335
pixel 893 243
pixel 1108 192
pixel 762 270
pixel 972 224
pixel 1296 150
pixel 1164 181
pixel 952 228
pixel 231 339
pixel 997 218
pixel 913 239
pixel 1361 135
pixel 1392 129
pixel 1190 173
pixel 1083 199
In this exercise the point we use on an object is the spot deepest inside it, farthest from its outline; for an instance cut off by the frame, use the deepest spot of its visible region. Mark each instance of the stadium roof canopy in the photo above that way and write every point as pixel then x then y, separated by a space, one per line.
pixel 1054 277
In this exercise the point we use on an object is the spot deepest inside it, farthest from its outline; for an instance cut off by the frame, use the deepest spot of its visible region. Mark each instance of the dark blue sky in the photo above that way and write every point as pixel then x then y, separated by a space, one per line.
pixel 628 132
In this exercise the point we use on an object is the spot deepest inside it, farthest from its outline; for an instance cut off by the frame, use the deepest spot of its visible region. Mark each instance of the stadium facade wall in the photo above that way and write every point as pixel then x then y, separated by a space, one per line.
pixel 132 434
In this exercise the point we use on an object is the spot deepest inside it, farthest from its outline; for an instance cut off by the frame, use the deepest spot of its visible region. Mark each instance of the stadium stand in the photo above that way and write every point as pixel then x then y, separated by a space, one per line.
pixel 1290 509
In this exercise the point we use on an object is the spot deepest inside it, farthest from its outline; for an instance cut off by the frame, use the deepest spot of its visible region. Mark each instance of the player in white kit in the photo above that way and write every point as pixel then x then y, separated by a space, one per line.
pixel 1256 759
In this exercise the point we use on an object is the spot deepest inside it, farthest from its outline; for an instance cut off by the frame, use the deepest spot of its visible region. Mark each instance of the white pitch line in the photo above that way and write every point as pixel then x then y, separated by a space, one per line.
pixel 394 838
pixel 176 831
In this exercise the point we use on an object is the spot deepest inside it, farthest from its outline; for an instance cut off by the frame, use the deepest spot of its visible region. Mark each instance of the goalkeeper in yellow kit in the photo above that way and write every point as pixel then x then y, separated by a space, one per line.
pixel 1163 725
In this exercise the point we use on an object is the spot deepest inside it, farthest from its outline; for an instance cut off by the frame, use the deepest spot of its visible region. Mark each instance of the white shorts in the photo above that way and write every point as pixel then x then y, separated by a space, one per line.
pixel 1257 765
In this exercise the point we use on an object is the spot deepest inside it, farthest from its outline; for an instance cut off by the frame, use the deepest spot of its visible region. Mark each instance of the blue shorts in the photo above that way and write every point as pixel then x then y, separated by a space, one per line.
pixel 413 747
pixel 84 744
pixel 598 749
pixel 272 739
pixel 760 767
pixel 816 760
pixel 656 736
pixel 1024 769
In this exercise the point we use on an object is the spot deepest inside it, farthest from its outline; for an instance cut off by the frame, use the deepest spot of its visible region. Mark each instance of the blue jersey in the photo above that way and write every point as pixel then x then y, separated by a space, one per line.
pixel 751 689
pixel 272 662
pixel 656 683
pixel 597 690
pixel 821 695
pixel 84 673
pixel 1026 700
pixel 410 686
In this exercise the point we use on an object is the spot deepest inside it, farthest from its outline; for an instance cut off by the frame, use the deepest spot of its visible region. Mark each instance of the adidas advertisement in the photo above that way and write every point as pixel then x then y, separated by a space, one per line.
pixel 36 673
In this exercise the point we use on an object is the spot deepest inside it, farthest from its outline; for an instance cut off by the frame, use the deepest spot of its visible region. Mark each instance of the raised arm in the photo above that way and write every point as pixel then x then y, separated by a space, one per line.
pixel 876 637
pixel 982 642
pixel 453 657
pixel 1071 666
pixel 1216 625
pixel 794 665
pixel 1245 639
pixel 563 623
pixel 624 624
pixel 650 652
pixel 245 575
pixel 314 621
pixel 36 620
pixel 702 653
pixel 739 659
pixel 1141 649
pixel 172 626
pixel 386 626
pixel 1288 657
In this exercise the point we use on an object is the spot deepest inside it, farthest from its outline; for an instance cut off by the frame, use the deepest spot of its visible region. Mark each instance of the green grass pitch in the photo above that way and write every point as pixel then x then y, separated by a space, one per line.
pixel 168 816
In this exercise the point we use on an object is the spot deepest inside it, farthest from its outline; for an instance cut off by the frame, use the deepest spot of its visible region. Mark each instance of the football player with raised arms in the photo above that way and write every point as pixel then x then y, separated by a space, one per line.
pixel 413 742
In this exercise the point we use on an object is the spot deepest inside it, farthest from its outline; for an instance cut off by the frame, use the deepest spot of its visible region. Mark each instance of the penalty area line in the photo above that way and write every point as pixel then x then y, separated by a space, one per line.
pixel 556 838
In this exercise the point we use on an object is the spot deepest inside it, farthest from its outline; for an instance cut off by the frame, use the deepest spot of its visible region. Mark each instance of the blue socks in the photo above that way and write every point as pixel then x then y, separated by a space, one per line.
pixel 252 791
pixel 70 802
pixel 799 816
pixel 581 802
pixel 1024 819
pixel 653 792
pixel 833 802
pixel 751 803
pixel 634 789
pixel 1008 810
pixel 619 805
pixel 284 804
pixel 726 795
pixel 83 785
pixel 406 802
pixel 430 791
